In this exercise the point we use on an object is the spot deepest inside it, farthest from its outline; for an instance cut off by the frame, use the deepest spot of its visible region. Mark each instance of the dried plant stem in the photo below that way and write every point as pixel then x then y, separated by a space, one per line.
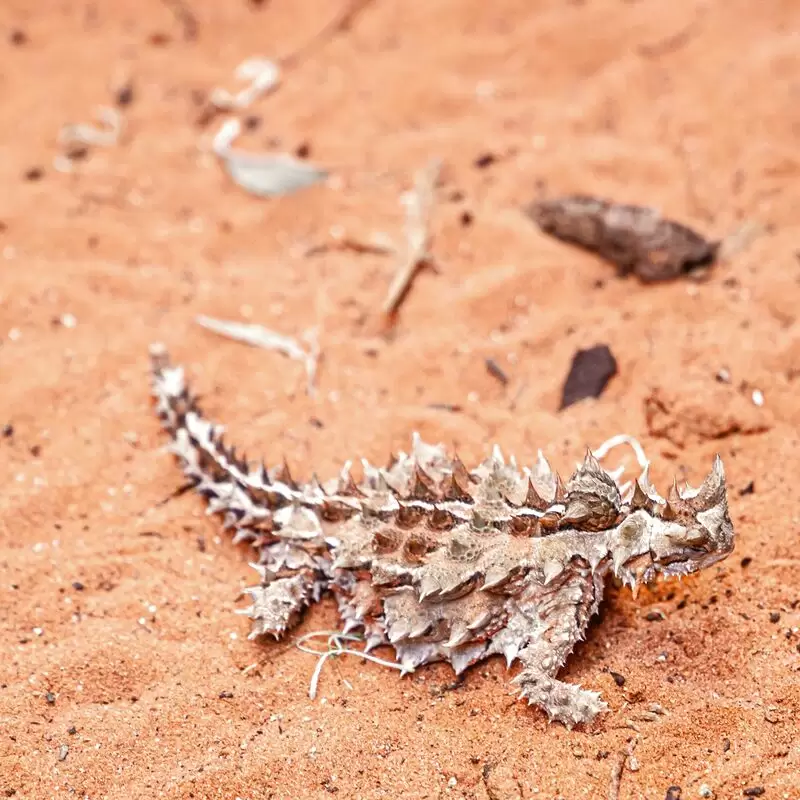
pixel 259 336
pixel 419 203
pixel 618 768
pixel 335 648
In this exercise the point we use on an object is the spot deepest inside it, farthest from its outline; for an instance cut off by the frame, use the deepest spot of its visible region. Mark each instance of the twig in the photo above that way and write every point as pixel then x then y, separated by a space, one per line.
pixel 340 23
pixel 418 204
pixel 186 18
pixel 496 371
pixel 618 768
pixel 259 336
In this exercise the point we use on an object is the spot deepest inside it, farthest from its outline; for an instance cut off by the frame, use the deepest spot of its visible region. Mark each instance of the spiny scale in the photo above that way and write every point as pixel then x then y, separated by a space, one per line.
pixel 442 562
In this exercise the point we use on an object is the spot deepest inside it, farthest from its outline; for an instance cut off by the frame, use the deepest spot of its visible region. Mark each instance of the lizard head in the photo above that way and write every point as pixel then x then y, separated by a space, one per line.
pixel 687 532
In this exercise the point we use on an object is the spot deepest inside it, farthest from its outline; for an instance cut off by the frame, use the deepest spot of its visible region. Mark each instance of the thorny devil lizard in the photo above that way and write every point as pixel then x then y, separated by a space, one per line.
pixel 445 563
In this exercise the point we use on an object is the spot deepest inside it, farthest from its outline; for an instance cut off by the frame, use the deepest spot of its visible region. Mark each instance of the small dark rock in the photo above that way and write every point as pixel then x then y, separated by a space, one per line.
pixel 496 371
pixel 50 698
pixel 34 174
pixel 673 793
pixel 252 122
pixel 303 150
pixel 72 730
pixel 746 562
pixel 750 488
pixel 618 679
pixel 466 219
pixel 18 37
pixel 654 616
pixel 726 745
pixel 754 791
pixel 78 586
pixel 125 95
pixel 36 450
pixel 589 374
pixel 774 616
pixel 8 430
pixel 225 695
pixel 485 160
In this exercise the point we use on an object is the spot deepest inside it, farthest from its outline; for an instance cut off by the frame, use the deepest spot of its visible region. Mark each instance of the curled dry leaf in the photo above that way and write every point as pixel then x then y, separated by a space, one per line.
pixel 635 238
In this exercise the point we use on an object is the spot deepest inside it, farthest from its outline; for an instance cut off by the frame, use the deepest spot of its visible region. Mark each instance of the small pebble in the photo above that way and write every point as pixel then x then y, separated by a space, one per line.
pixel 50 698
pixel 705 790
pixel 754 791
pixel 62 752
pixel 589 374
pixel 618 679
pixel 758 398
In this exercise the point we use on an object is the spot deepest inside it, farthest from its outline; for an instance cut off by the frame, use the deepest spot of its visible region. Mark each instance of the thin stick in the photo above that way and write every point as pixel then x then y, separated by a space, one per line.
pixel 419 203
pixel 259 336
pixel 616 777
pixel 618 768
pixel 341 22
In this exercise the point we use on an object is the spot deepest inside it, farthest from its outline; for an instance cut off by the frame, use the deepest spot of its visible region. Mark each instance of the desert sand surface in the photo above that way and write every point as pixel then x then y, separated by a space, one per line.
pixel 125 672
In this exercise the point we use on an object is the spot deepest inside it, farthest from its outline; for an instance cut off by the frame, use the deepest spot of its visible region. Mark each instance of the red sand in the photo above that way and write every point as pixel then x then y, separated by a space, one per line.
pixel 133 686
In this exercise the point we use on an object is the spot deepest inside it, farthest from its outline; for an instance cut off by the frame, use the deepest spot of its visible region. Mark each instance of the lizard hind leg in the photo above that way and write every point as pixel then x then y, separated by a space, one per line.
pixel 278 603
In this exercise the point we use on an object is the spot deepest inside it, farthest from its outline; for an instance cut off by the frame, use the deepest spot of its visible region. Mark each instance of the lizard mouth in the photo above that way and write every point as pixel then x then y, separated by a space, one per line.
pixel 686 560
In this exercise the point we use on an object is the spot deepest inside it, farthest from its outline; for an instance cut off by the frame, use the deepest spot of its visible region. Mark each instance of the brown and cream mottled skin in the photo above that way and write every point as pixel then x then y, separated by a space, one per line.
pixel 445 563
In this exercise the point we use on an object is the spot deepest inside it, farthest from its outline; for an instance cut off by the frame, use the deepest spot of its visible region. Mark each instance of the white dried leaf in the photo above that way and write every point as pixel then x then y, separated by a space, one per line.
pixel 271 175
pixel 263 174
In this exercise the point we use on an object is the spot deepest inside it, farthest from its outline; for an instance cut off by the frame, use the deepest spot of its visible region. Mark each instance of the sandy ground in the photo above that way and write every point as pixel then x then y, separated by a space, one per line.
pixel 124 669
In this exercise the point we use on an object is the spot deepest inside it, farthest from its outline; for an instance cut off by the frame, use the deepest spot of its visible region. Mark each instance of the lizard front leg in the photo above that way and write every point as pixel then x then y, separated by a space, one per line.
pixel 564 613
